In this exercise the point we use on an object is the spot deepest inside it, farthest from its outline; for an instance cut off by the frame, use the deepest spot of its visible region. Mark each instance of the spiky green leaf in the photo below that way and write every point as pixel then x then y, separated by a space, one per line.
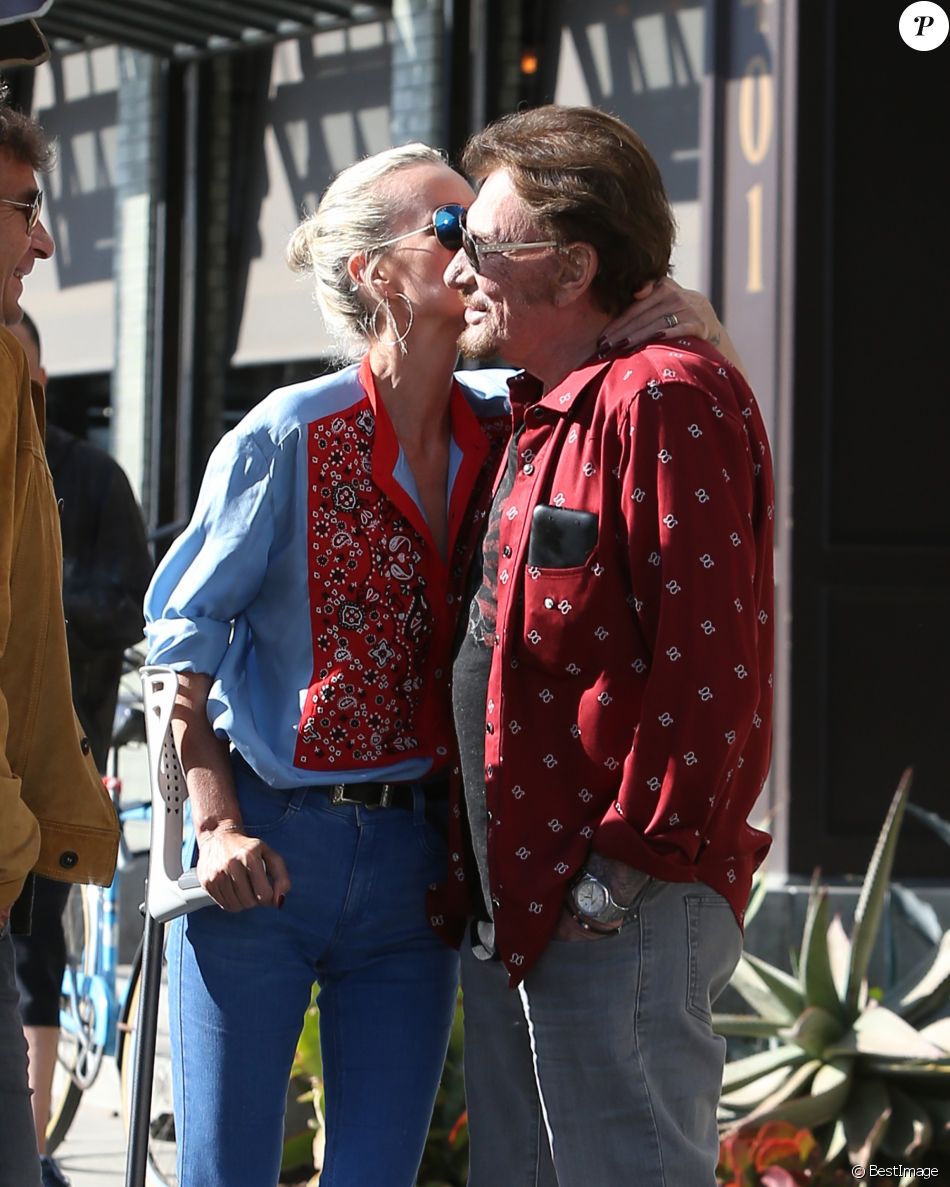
pixel 910 1128
pixel 797 1083
pixel 748 1026
pixel 938 1033
pixel 881 1033
pixel 758 993
pixel 760 889
pixel 815 963
pixel 839 955
pixel 814 1030
pixel 925 987
pixel 752 1094
pixel 835 1143
pixel 920 915
pixel 940 826
pixel 865 1118
pixel 919 1075
pixel 867 915
pixel 784 987
pixel 829 1091
pixel 743 1071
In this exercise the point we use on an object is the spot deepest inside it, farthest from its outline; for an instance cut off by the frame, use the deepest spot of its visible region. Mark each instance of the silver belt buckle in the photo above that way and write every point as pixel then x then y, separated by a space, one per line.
pixel 338 796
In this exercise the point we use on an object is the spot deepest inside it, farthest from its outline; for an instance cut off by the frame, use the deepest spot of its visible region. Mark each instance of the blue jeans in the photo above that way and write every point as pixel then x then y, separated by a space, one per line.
pixel 354 921
pixel 602 1068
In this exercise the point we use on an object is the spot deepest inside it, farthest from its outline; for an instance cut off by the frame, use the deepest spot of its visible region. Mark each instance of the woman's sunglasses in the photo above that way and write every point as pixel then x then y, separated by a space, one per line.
pixel 448 226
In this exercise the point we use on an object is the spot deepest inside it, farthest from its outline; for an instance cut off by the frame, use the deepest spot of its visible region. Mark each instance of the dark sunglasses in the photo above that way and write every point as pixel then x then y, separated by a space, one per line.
pixel 448 226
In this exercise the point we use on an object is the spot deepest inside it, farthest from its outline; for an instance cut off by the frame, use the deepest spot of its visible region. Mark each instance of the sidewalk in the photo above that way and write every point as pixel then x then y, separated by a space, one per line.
pixel 93 1152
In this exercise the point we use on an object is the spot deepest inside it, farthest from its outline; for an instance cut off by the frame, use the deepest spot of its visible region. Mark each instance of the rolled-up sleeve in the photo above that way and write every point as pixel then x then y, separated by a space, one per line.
pixel 214 570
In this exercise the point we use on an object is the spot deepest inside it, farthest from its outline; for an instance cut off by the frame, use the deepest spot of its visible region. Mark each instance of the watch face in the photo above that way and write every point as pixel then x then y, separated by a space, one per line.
pixel 590 897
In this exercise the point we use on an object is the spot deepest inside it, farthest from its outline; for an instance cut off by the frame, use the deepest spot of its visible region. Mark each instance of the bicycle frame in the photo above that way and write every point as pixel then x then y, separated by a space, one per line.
pixel 91 1006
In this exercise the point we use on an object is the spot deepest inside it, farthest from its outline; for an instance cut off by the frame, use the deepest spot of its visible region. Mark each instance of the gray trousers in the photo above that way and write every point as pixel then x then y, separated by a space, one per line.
pixel 602 1068
pixel 19 1163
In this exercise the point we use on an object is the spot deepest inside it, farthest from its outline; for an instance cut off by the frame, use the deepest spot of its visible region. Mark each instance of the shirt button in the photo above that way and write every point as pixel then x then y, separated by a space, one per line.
pixel 84 745
pixel 438 673
pixel 495 901
pixel 489 728
pixel 549 603
pixel 489 771
pixel 450 599
pixel 506 551
pixel 69 859
pixel 528 469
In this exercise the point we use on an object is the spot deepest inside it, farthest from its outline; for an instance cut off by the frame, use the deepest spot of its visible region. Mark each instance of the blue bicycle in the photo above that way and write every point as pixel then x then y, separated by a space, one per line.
pixel 97 1017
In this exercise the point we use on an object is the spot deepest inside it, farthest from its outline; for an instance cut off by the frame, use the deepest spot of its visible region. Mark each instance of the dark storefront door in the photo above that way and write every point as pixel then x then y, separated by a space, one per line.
pixel 871 538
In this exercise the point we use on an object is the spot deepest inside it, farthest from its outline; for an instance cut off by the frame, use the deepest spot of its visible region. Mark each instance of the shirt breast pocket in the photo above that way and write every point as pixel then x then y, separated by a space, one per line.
pixel 559 580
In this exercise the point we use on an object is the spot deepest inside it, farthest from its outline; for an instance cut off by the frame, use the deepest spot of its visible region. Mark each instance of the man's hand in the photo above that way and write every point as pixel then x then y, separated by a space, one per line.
pixel 240 872
pixel 569 929
pixel 625 883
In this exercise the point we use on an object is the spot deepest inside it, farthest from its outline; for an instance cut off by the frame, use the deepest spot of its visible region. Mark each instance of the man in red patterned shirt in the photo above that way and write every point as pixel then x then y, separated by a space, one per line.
pixel 613 690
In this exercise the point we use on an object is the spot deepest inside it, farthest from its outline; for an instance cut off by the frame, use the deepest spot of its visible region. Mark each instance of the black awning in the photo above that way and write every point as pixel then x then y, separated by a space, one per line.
pixel 196 28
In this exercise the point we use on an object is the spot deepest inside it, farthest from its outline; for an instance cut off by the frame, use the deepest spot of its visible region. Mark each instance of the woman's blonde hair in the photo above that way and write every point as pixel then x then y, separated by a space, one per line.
pixel 355 215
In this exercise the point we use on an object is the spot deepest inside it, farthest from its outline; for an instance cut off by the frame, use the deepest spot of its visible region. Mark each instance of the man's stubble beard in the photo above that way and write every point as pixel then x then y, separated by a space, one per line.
pixel 477 343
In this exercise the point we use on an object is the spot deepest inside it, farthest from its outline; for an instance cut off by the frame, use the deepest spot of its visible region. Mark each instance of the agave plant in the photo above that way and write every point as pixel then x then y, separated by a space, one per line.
pixel 864 1073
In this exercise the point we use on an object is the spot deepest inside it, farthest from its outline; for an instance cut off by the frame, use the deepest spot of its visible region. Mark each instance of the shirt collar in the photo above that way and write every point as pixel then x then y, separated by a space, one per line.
pixel 525 389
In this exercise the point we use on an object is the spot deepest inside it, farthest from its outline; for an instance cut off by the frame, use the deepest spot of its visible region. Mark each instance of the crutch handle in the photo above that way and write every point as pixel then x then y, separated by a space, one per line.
pixel 171 890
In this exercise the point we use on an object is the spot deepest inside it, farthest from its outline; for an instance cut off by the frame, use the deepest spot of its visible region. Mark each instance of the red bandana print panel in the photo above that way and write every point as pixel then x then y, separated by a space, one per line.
pixel 371 608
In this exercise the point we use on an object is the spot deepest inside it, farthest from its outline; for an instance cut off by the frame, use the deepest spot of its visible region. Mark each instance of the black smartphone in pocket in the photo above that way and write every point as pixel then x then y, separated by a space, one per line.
pixel 561 538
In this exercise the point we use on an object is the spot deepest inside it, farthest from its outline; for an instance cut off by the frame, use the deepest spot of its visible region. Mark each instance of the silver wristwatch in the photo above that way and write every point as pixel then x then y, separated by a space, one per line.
pixel 592 901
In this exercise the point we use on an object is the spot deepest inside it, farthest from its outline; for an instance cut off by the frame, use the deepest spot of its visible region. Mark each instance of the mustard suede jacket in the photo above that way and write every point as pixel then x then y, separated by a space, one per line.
pixel 55 815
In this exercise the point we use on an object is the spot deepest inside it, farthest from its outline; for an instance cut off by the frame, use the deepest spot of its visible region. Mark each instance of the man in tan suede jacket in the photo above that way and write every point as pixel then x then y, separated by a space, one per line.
pixel 55 817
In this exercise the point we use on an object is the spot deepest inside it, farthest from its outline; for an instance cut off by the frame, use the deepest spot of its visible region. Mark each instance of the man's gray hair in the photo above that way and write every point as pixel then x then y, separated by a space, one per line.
pixel 355 215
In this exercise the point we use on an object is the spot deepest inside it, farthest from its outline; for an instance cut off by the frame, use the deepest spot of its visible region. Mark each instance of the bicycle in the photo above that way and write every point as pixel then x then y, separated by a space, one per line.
pixel 94 1016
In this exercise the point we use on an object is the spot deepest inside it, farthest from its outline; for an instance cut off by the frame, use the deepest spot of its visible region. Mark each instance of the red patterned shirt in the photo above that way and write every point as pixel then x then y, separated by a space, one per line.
pixel 630 690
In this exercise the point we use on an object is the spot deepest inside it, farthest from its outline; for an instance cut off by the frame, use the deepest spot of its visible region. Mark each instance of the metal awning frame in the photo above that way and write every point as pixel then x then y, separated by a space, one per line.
pixel 185 30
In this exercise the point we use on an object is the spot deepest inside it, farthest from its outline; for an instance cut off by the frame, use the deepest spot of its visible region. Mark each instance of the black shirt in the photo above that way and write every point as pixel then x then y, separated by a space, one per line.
pixel 471 670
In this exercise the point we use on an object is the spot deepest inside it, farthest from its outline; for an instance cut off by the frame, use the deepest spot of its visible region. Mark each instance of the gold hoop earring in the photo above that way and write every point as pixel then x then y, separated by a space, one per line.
pixel 398 339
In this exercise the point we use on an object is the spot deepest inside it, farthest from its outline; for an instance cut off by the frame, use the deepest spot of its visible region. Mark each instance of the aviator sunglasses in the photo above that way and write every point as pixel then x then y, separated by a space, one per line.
pixel 448 226
pixel 33 209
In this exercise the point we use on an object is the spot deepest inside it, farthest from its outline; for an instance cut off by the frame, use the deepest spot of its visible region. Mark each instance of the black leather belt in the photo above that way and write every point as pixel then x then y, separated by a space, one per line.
pixel 386 795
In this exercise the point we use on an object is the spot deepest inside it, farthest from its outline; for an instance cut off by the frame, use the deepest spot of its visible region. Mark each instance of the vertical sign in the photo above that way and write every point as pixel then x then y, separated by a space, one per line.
pixel 751 192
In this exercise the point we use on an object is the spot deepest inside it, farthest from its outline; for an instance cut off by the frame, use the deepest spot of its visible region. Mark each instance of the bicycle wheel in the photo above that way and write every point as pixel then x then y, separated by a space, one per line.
pixel 161 1166
pixel 76 1063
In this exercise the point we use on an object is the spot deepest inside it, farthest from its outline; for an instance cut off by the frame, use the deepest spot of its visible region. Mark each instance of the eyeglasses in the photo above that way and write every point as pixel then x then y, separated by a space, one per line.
pixel 448 226
pixel 475 250
pixel 33 209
